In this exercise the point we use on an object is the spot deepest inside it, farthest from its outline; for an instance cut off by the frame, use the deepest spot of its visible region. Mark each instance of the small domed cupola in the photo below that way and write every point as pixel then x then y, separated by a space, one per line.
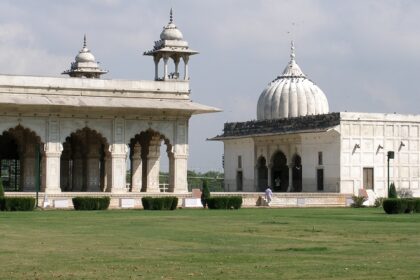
pixel 171 46
pixel 170 31
pixel 85 65
pixel 291 95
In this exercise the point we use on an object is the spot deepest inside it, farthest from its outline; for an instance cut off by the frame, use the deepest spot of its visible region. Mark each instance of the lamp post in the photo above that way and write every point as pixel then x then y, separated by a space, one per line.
pixel 390 156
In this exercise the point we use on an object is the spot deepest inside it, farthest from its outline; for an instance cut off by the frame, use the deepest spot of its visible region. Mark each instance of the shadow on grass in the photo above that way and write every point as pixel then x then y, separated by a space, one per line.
pixel 303 249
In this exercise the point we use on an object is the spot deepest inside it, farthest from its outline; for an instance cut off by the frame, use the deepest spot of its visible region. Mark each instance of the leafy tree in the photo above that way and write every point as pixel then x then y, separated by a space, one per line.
pixel 195 180
pixel 392 191
pixel 205 194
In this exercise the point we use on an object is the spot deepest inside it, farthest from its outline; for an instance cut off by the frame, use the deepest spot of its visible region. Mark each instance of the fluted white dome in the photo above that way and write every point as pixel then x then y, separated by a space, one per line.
pixel 291 95
pixel 170 31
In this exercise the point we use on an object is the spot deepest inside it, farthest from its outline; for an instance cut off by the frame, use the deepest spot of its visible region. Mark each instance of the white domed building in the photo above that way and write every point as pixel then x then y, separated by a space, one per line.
pixel 297 145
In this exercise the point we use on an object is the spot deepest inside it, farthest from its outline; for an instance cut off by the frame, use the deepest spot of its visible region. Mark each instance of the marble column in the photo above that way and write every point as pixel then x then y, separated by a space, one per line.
pixel 290 187
pixel 52 153
pixel 165 67
pixel 153 165
pixel 180 173
pixel 136 169
pixel 171 172
pixel 108 174
pixel 156 60
pixel 186 74
pixel 43 172
pixel 118 167
pixel 176 61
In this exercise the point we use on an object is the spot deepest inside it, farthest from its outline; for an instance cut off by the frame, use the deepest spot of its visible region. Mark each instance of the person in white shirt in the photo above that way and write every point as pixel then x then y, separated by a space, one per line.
pixel 268 195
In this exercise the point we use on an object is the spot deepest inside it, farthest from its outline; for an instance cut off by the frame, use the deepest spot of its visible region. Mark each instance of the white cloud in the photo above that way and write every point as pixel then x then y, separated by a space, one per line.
pixel 19 53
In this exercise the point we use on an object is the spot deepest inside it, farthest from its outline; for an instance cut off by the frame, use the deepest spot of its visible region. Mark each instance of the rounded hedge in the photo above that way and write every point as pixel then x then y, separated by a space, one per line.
pixel 224 202
pixel 160 203
pixel 17 203
pixel 401 205
pixel 417 206
pixel 91 203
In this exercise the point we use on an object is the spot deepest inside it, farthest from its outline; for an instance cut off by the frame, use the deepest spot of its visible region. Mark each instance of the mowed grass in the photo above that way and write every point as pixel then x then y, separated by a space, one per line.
pixel 210 244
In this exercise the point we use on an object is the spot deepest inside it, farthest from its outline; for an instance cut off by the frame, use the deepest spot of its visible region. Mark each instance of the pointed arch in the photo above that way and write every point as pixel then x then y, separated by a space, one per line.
pixel 18 146
pixel 85 162
pixel 262 174
pixel 279 172
pixel 145 156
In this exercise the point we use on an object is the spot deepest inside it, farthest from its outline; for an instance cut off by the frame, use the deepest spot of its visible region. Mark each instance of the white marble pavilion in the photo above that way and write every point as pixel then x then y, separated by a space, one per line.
pixel 297 145
pixel 85 127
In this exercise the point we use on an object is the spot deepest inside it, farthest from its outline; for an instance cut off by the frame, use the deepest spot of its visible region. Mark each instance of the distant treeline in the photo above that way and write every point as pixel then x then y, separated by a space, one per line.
pixel 195 180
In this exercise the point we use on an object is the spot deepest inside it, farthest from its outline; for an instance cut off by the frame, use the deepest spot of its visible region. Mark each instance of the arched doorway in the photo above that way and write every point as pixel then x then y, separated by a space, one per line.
pixel 85 162
pixel 18 159
pixel 145 161
pixel 297 174
pixel 279 172
pixel 262 174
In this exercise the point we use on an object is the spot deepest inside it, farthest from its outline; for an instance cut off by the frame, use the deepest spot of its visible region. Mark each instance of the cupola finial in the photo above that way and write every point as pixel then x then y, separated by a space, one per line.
pixel 84 41
pixel 292 51
pixel 171 18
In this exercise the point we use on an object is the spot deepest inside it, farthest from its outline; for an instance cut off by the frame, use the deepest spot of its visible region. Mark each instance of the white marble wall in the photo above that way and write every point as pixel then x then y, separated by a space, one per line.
pixel 306 145
pixel 232 149
pixel 376 134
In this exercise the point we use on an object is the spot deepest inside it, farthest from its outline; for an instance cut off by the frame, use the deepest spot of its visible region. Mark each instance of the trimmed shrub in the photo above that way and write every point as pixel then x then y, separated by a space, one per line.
pixel 174 204
pixel 358 201
pixel 392 206
pixel 104 203
pixel 235 202
pixel 205 194
pixel 160 203
pixel 225 202
pixel 1 195
pixel 410 206
pixel 17 203
pixel 392 191
pixel 147 202
pixel 91 203
pixel 218 202
pixel 1 189
pixel 403 205
pixel 417 205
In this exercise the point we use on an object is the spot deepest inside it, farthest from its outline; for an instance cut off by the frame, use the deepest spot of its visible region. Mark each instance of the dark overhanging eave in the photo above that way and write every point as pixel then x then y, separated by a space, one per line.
pixel 222 138
pixel 304 124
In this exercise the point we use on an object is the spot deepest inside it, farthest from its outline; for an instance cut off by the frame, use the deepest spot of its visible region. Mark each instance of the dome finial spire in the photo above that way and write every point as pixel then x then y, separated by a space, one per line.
pixel 84 41
pixel 292 50
pixel 171 18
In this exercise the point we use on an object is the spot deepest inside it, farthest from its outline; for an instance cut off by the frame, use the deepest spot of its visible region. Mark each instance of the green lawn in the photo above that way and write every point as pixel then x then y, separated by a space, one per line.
pixel 210 244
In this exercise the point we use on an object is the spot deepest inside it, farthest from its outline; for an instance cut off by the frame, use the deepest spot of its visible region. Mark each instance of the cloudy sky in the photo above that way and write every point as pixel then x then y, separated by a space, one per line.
pixel 365 55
